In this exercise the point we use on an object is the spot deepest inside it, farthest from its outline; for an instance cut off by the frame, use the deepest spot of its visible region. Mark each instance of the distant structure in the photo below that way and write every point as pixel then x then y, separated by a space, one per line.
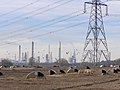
pixel 32 59
pixel 96 43
pixel 59 50
pixel 24 57
pixel 49 55
pixel 72 59
pixel 19 52
pixel 32 49
pixel 47 58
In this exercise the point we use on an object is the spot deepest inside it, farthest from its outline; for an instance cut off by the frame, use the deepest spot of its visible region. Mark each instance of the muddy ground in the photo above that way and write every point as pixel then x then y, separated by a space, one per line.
pixel 15 80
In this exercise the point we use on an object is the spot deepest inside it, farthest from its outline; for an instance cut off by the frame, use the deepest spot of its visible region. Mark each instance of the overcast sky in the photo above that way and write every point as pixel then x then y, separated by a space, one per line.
pixel 18 19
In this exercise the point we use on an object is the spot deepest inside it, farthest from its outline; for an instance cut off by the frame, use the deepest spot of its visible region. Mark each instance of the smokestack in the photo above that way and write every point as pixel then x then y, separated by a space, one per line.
pixel 59 50
pixel 32 49
pixel 19 52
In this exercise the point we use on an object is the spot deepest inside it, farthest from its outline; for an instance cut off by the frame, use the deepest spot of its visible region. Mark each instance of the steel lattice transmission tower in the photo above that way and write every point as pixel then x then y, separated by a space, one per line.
pixel 96 43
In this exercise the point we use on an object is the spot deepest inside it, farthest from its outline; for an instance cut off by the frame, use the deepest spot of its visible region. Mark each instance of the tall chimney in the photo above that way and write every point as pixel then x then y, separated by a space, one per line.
pixel 19 52
pixel 59 50
pixel 32 49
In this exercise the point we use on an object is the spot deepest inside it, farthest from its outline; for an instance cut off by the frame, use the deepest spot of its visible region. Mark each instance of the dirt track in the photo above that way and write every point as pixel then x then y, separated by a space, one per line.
pixel 15 80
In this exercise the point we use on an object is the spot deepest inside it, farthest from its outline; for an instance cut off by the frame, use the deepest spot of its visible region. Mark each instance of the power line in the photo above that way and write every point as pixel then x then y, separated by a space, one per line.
pixel 46 25
pixel 54 31
pixel 19 8
pixel 19 30
pixel 18 17
pixel 53 23
pixel 44 34
pixel 23 29
pixel 26 18
pixel 63 29
pixel 35 29
pixel 8 42
pixel 49 21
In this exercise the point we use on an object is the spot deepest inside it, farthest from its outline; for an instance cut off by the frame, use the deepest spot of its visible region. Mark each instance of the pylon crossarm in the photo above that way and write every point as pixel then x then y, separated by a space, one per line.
pixel 99 3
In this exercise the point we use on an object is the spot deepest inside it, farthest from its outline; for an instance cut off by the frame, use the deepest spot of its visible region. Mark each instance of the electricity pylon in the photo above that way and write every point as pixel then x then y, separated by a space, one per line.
pixel 96 43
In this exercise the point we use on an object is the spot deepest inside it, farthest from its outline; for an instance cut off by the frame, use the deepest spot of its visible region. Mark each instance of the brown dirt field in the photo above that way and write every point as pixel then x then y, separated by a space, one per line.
pixel 15 80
